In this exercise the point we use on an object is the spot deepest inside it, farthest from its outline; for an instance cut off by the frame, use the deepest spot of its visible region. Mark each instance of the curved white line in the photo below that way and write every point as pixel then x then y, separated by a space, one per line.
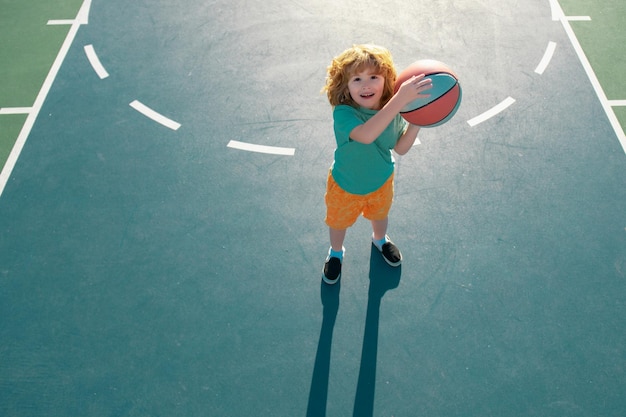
pixel 95 62
pixel 151 114
pixel 492 112
pixel 547 57
pixel 274 150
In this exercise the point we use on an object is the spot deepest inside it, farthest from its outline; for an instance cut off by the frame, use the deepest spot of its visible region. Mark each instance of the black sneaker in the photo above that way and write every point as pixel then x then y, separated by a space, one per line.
pixel 332 270
pixel 391 253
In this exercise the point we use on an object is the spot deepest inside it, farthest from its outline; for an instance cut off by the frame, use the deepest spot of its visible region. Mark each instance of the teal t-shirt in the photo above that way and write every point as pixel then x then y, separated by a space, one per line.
pixel 359 168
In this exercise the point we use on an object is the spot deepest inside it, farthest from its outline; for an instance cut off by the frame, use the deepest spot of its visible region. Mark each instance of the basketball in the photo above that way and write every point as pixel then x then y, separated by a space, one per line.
pixel 445 95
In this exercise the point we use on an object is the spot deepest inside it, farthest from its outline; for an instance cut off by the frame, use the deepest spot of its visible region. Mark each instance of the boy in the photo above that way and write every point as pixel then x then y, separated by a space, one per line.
pixel 367 125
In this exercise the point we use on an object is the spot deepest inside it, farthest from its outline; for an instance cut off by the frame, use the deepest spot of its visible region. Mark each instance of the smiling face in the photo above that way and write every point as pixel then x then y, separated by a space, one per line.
pixel 356 66
pixel 366 88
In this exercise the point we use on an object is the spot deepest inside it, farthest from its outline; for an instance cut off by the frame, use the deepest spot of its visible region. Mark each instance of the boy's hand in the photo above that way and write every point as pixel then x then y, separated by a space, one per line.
pixel 414 88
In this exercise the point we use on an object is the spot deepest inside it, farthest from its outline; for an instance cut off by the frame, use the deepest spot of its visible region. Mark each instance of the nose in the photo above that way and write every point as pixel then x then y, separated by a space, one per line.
pixel 368 82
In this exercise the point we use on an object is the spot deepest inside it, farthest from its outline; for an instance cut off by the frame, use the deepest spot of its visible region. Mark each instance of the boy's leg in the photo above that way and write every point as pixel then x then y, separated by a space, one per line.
pixel 377 211
pixel 389 250
pixel 332 266
pixel 337 237
pixel 380 228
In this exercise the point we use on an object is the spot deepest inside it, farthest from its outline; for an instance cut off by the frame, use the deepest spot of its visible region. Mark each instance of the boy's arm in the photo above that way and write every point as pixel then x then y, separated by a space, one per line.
pixel 410 90
pixel 407 139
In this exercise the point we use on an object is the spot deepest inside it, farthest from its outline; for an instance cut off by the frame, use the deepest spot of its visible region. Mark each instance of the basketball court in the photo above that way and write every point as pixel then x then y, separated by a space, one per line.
pixel 161 214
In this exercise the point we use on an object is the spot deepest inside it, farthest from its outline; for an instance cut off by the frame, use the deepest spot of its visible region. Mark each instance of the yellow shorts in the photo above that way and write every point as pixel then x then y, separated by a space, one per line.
pixel 343 208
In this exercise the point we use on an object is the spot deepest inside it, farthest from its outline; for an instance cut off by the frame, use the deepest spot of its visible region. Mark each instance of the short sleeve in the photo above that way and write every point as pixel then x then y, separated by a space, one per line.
pixel 345 119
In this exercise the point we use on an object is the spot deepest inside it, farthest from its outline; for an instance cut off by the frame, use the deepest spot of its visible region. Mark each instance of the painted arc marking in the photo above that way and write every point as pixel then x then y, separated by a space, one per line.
pixel 491 112
pixel 151 114
pixel 81 18
pixel 95 62
pixel 617 103
pixel 547 57
pixel 617 127
pixel 16 110
pixel 250 147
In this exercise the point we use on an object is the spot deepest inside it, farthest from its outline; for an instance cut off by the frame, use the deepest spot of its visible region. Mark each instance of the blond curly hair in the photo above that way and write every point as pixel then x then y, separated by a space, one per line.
pixel 352 61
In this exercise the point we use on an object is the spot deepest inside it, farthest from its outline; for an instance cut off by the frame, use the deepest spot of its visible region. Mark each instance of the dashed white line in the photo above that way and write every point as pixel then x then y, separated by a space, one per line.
pixel 274 150
pixel 491 112
pixel 151 114
pixel 95 62
pixel 547 57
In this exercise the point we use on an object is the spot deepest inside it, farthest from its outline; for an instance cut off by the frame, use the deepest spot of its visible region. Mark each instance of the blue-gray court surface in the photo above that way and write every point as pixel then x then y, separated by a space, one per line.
pixel 162 235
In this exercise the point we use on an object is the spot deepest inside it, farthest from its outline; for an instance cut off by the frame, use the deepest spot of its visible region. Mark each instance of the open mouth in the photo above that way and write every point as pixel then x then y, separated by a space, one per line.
pixel 367 95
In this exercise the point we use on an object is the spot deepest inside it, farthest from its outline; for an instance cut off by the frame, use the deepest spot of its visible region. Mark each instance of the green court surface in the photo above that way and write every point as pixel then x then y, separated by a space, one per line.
pixel 602 38
pixel 150 268
pixel 28 48
pixel 620 112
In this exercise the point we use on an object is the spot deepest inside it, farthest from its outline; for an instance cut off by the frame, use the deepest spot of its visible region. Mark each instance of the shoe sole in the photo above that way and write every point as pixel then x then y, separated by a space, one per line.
pixel 330 281
pixel 393 264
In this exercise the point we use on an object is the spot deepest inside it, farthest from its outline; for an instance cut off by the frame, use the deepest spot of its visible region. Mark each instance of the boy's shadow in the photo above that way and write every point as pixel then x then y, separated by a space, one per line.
pixel 382 279
pixel 318 394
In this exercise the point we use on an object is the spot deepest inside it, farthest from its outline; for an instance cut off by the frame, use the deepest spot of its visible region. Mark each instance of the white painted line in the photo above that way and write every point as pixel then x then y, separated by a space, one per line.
pixel 558 14
pixel 274 150
pixel 617 103
pixel 555 8
pixel 82 18
pixel 578 18
pixel 151 114
pixel 16 110
pixel 617 127
pixel 83 13
pixel 547 57
pixel 61 22
pixel 41 97
pixel 492 112
pixel 95 62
